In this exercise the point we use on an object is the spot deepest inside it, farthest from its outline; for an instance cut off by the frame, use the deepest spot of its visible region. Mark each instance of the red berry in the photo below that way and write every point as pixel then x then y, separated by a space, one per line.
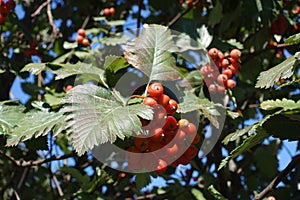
pixel 227 72
pixel 205 70
pixel 163 100
pixel 112 10
pixel 79 39
pixel 197 139
pixel 212 88
pixel 161 167
pixel 225 63
pixel 213 53
pixel 230 83
pixel 155 89
pixel 172 151
pixel 157 135
pixel 85 42
pixel 221 89
pixel 149 101
pixel 141 143
pixel 222 79
pixel 81 32
pixel 191 152
pixel 271 198
pixel 10 4
pixel 106 11
pixel 171 107
pixel 69 87
pixel 170 124
pixel 235 54
pixel 234 69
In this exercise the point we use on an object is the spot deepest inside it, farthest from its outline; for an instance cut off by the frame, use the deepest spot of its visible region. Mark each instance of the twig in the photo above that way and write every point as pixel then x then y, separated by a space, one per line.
pixel 16 195
pixel 22 163
pixel 294 162
pixel 179 15
pixel 50 18
pixel 38 10
pixel 59 190
pixel 85 22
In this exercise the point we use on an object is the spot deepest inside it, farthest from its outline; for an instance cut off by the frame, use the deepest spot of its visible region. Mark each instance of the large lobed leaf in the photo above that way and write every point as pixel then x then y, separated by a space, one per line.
pixel 283 70
pixel 96 115
pixel 151 53
pixel 36 124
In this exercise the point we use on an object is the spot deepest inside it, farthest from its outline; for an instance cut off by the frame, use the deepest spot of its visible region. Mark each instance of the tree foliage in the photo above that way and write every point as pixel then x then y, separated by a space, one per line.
pixel 81 96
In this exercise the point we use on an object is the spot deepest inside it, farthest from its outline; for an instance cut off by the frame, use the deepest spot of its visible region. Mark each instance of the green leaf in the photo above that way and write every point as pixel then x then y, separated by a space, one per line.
pixel 97 115
pixel 53 100
pixel 115 40
pixel 69 45
pixel 283 127
pixel 283 70
pixel 258 5
pixel 115 63
pixel 294 39
pixel 35 68
pixel 235 43
pixel 75 173
pixel 207 108
pixel 215 193
pixel 197 194
pixel 204 38
pixel 36 123
pixel 151 53
pixel 216 15
pixel 142 180
pixel 10 116
pixel 285 104
pixel 86 70
pixel 116 22
pixel 248 143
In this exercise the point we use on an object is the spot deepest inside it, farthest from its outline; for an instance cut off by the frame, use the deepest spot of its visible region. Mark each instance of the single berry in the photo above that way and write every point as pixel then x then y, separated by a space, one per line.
pixel 225 63
pixel 230 83
pixel 213 53
pixel 161 167
pixel 183 123
pixel 212 88
pixel 191 152
pixel 171 107
pixel 141 143
pixel 79 39
pixel 227 72
pixel 69 87
pixel 106 11
pixel 196 139
pixel 170 124
pixel 149 101
pixel 221 89
pixel 112 10
pixel 163 100
pixel 155 90
pixel 157 135
pixel 85 42
pixel 235 54
pixel 271 198
pixel 172 150
pixel 81 32
pixel 10 4
pixel 221 79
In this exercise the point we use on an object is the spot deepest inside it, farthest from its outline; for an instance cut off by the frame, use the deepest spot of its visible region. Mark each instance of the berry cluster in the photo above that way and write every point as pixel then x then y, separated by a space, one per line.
pixel 5 8
pixel 167 139
pixel 81 39
pixel 109 11
pixel 220 78
pixel 32 50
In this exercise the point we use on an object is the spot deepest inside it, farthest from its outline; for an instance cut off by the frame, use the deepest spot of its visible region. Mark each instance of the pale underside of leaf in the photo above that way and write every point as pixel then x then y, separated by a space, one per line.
pixel 151 53
pixel 10 116
pixel 95 116
pixel 283 70
pixel 286 104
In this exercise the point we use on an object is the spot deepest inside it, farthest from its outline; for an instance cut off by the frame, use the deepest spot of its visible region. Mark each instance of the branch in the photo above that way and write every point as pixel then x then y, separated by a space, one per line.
pixel 294 162
pixel 38 10
pixel 22 163
pixel 179 15
pixel 50 18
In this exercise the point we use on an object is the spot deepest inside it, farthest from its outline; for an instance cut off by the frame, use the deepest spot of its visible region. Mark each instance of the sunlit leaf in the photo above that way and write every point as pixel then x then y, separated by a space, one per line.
pixel 204 38
pixel 197 194
pixel 97 115
pixel 115 63
pixel 151 53
pixel 35 124
pixel 248 143
pixel 69 45
pixel 207 108
pixel 285 104
pixel 283 70
pixel 215 193
pixel 35 68
pixel 10 116
pixel 294 39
